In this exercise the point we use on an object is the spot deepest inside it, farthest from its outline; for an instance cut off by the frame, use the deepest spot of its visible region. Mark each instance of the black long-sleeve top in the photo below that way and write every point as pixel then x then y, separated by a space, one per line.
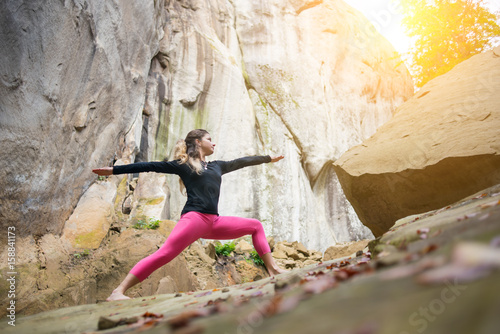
pixel 202 190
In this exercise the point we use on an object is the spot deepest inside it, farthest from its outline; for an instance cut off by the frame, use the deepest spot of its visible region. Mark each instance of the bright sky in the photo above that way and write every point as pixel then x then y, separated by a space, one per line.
pixel 385 17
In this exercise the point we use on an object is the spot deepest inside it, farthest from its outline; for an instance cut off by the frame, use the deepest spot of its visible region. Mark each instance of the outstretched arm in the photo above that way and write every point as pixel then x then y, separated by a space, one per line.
pixel 169 167
pixel 103 171
pixel 229 166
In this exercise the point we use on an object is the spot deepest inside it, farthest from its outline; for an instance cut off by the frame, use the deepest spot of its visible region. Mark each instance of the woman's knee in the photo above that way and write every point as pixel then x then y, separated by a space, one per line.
pixel 255 223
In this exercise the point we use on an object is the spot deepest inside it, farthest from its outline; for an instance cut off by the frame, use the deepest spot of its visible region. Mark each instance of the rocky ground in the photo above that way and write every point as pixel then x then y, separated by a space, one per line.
pixel 432 273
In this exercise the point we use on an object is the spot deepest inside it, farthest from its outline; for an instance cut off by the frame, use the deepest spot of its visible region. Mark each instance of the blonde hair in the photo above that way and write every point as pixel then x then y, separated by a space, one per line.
pixel 187 151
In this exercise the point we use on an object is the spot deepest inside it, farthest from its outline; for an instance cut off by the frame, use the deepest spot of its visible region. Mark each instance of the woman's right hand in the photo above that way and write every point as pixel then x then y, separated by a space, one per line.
pixel 103 171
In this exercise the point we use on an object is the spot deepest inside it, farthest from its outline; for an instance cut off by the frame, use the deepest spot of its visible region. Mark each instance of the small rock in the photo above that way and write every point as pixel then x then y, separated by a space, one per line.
pixel 210 250
pixel 279 254
pixel 293 254
pixel 289 264
pixel 300 247
pixel 106 323
pixel 316 256
pixel 243 247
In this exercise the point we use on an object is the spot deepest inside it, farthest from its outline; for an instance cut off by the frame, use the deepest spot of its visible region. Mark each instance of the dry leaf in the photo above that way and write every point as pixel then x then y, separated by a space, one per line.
pixel 184 318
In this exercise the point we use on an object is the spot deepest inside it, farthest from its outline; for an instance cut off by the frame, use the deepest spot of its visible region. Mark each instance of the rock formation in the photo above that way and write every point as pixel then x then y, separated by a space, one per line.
pixel 53 275
pixel 434 273
pixel 84 84
pixel 73 79
pixel 441 145
pixel 262 87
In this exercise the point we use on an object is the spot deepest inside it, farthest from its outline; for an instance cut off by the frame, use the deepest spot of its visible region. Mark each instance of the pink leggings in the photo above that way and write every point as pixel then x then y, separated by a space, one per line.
pixel 194 225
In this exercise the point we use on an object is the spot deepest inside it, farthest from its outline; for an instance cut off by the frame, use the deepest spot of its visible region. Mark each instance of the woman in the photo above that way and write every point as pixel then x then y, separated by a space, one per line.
pixel 199 218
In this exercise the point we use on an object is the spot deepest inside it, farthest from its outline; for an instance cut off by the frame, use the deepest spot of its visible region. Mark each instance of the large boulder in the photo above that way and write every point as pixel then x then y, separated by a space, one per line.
pixel 441 146
pixel 89 223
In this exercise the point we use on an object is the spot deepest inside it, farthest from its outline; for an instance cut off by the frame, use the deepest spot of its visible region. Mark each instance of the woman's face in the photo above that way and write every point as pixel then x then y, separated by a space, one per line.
pixel 206 145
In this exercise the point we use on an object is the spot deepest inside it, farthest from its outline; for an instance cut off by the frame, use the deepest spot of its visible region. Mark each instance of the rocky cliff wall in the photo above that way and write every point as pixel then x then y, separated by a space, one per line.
pixel 86 83
pixel 305 79
pixel 73 78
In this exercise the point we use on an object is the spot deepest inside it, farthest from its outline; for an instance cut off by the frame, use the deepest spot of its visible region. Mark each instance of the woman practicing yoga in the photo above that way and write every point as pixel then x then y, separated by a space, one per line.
pixel 199 218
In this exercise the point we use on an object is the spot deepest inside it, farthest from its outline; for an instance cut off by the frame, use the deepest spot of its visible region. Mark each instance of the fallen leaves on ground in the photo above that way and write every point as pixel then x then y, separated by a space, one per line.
pixel 147 319
pixel 469 261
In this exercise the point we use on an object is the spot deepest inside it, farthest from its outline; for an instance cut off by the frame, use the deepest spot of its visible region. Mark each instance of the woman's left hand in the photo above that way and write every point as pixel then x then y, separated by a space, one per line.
pixel 274 159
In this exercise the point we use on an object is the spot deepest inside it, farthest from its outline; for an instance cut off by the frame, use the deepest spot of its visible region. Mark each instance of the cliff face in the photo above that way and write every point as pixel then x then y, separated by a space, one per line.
pixel 86 83
pixel 73 77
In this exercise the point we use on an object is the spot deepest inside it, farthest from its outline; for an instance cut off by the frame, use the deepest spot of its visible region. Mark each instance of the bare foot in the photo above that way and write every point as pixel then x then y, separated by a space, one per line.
pixel 116 295
pixel 276 271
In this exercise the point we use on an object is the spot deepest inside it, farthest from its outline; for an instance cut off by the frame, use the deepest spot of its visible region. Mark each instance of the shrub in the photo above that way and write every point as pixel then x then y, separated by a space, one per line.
pixel 151 224
pixel 224 249
pixel 256 258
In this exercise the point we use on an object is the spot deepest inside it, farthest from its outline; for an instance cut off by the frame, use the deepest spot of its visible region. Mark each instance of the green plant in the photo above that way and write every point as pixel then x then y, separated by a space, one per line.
pixel 151 224
pixel 101 178
pixel 84 253
pixel 256 258
pixel 224 249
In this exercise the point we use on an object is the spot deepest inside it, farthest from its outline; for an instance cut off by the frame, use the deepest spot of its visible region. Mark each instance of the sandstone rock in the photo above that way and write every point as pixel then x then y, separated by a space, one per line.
pixel 286 247
pixel 196 252
pixel 209 63
pixel 289 264
pixel 71 90
pixel 249 272
pixel 243 247
pixel 300 247
pixel 345 249
pixel 316 256
pixel 461 272
pixel 279 254
pixel 125 82
pixel 89 223
pixel 150 197
pixel 210 251
pixel 166 285
pixel 166 226
pixel 441 146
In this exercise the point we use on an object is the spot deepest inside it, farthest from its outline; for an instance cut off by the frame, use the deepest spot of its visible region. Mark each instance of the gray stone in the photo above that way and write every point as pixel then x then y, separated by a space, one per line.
pixel 71 89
